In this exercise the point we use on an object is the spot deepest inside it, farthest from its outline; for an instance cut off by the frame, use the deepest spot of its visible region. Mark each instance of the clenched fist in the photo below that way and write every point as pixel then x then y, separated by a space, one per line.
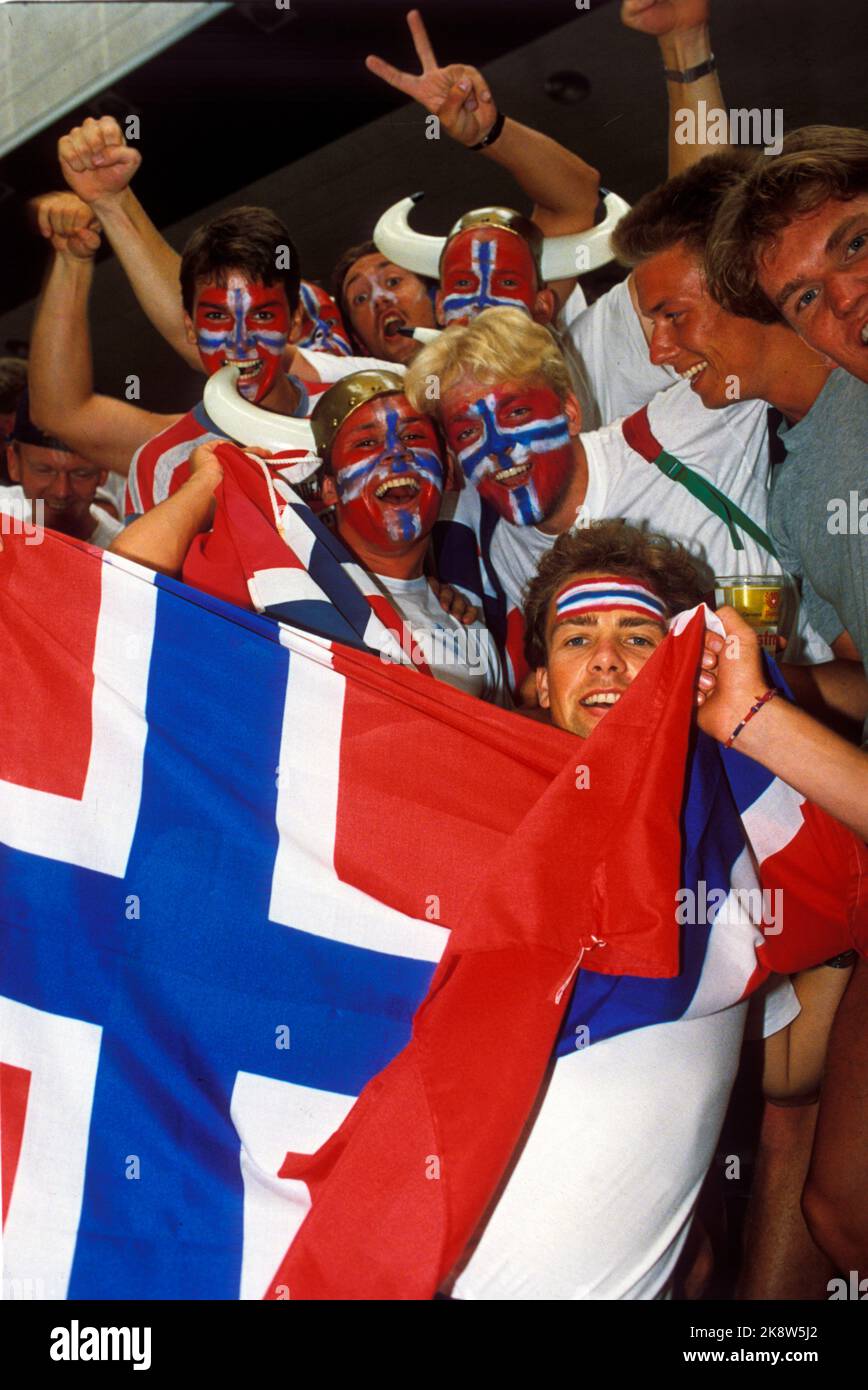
pixel 68 223
pixel 96 161
pixel 661 17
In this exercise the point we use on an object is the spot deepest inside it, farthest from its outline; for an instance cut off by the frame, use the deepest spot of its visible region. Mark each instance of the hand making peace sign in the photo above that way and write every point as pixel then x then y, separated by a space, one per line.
pixel 458 95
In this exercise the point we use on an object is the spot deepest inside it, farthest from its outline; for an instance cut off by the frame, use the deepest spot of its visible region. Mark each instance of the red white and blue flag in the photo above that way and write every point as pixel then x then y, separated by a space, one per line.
pixel 282 921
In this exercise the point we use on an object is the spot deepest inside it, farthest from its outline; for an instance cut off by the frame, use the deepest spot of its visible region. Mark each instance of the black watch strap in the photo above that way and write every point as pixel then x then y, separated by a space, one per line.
pixel 691 74
pixel 489 139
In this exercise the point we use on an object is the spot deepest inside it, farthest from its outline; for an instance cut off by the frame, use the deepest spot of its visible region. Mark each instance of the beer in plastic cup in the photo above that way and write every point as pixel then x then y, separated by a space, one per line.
pixel 759 600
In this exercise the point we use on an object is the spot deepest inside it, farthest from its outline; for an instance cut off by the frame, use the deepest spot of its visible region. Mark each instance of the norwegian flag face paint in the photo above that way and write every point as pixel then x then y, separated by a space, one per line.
pixel 322 328
pixel 245 323
pixel 603 593
pixel 486 269
pixel 388 472
pixel 514 446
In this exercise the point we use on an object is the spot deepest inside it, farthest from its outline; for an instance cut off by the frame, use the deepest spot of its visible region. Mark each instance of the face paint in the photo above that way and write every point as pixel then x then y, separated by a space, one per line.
pixel 388 472
pixel 322 328
pixel 514 446
pixel 492 271
pixel 606 592
pixel 244 323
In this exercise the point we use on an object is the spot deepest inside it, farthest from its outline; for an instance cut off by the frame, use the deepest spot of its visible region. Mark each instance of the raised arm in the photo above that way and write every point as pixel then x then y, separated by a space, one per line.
pixel 807 756
pixel 62 399
pixel 682 32
pixel 161 538
pixel 98 165
pixel 564 189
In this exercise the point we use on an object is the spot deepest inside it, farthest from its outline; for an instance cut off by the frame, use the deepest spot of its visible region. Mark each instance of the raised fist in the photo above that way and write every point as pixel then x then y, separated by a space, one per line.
pixel 68 223
pixel 96 161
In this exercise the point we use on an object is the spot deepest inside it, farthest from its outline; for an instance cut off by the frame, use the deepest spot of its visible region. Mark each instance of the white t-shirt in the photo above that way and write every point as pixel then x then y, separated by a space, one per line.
pixel 13 503
pixel 331 368
pixel 600 1200
pixel 729 447
pixel 607 339
pixel 463 656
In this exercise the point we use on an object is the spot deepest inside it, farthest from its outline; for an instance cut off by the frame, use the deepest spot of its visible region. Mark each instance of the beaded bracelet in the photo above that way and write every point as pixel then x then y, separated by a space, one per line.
pixel 754 709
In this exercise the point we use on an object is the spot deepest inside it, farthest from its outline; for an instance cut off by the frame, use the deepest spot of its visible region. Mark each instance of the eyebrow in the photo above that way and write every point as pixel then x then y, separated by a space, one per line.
pixel 591 620
pixel 834 241
pixel 360 273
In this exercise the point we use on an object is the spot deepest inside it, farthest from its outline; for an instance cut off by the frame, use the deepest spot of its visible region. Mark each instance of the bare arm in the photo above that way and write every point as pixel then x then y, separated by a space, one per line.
pixel 161 538
pixel 681 29
pixel 830 688
pixel 62 399
pixel 835 1200
pixel 796 1055
pixel 98 165
pixel 807 756
pixel 564 189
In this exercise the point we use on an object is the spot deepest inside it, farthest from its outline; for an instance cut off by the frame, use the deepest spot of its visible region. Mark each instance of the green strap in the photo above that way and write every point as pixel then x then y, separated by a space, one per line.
pixel 715 500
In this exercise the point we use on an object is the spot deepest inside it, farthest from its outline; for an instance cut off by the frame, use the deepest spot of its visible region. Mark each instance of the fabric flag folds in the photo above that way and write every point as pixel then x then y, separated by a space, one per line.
pixel 289 930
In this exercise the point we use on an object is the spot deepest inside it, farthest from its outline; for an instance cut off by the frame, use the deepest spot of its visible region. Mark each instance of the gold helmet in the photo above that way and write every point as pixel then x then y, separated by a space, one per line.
pixel 339 401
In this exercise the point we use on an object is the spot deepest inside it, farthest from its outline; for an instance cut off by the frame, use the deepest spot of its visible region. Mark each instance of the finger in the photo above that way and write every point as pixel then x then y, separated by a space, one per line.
pixel 455 99
pixel 404 81
pixel 421 41
pixel 707 681
pixel 111 131
pixel 469 615
pixel 81 145
pixel 92 136
pixel 68 154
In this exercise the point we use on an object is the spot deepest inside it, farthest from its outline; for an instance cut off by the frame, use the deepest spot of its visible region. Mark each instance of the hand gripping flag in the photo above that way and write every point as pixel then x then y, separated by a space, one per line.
pixel 249 875
pixel 267 550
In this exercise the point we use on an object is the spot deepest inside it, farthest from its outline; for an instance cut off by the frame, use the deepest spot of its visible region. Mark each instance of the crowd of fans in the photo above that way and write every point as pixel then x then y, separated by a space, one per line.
pixel 539 484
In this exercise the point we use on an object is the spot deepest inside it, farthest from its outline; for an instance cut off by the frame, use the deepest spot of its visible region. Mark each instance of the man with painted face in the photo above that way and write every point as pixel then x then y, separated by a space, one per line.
pixel 384 475
pixel 504 398
pixel 239 287
pixel 380 294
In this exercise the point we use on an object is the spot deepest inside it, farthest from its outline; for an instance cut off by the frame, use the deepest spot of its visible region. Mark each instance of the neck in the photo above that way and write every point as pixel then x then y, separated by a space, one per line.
pixel 564 514
pixel 794 376
pixel 283 398
pixel 405 563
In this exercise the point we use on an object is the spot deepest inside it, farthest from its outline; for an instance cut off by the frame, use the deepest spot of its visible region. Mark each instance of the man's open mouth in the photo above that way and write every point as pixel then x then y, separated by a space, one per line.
pixel 511 477
pixel 603 698
pixel 398 490
pixel 391 323
pixel 248 370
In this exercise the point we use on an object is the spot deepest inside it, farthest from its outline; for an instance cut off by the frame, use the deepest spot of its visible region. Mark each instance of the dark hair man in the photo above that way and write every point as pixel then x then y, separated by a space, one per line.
pixel 53 486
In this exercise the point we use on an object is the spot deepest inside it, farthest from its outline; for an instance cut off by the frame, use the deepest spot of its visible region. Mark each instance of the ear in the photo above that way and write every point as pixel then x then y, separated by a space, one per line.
pixel 438 306
pixel 545 306
pixel 13 462
pixel 542 686
pixel 295 323
pixel 328 491
pixel 573 412
pixel 189 330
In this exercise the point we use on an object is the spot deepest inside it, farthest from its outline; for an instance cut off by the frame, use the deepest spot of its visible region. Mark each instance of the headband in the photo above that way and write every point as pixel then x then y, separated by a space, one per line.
pixel 607 592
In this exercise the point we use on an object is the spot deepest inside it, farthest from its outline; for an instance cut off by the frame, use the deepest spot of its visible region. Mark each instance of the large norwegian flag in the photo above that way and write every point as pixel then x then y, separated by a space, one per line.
pixel 249 875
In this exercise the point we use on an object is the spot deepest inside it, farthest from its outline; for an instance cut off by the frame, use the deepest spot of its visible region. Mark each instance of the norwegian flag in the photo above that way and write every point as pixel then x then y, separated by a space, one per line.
pixel 268 550
pixel 253 982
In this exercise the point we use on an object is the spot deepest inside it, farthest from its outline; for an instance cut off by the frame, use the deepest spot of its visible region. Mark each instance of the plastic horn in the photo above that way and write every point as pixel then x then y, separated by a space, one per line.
pixel 247 424
pixel 421 335
pixel 563 257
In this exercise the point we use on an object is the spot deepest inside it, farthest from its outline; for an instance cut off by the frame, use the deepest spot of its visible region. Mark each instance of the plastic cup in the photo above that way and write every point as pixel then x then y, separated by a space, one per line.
pixel 759 598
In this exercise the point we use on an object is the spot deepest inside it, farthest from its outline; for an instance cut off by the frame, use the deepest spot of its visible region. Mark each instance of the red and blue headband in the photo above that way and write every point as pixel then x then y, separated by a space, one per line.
pixel 606 592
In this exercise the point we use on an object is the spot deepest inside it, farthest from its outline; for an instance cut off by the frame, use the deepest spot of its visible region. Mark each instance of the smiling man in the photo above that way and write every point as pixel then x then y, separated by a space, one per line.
pixel 504 398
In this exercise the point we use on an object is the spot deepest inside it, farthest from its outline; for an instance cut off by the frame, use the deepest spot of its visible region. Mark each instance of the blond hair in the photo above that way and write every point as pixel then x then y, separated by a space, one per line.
pixel 499 345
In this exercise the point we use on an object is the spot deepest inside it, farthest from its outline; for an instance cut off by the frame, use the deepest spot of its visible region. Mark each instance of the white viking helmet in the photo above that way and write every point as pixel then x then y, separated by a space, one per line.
pixel 558 257
pixel 247 424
